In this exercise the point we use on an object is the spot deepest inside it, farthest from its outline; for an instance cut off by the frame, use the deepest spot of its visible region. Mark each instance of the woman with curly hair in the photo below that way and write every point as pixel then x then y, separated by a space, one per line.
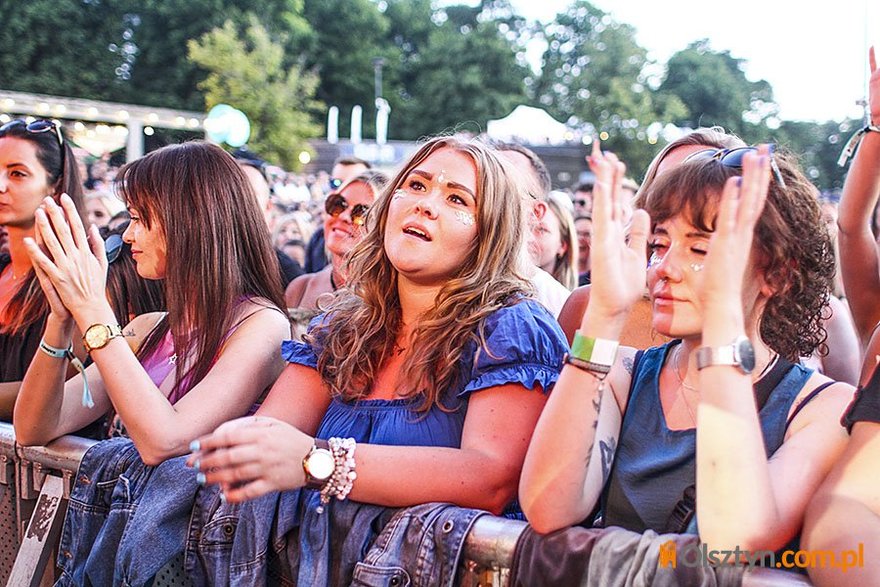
pixel 718 432
pixel 428 371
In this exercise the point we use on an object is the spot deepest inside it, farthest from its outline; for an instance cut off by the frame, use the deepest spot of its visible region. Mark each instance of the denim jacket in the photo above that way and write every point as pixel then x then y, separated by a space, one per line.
pixel 125 520
pixel 420 547
pixel 279 539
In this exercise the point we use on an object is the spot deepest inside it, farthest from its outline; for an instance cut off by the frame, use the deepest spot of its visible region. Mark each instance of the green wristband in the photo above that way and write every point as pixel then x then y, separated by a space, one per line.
pixel 598 351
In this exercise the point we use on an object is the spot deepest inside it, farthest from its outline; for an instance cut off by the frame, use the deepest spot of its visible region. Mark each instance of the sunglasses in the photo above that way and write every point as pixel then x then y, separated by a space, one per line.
pixel 113 247
pixel 336 204
pixel 733 158
pixel 36 127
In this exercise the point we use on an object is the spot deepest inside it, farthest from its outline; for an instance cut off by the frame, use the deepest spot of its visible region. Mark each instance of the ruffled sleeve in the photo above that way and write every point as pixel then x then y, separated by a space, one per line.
pixel 524 344
pixel 301 353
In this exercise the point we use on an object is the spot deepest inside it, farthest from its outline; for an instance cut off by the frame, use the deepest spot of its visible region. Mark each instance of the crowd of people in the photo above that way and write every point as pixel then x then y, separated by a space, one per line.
pixel 279 367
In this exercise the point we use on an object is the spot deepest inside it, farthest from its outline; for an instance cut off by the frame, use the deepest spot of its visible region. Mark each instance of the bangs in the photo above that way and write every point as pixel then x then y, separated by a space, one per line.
pixel 133 183
pixel 692 190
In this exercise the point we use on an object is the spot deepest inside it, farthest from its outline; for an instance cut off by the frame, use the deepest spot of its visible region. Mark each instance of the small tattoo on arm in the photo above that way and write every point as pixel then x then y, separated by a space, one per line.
pixel 607 447
pixel 628 364
pixel 128 332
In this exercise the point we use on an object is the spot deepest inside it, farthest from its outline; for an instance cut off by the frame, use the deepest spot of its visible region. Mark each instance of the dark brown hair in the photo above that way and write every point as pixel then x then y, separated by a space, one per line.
pixel 792 247
pixel 28 305
pixel 217 243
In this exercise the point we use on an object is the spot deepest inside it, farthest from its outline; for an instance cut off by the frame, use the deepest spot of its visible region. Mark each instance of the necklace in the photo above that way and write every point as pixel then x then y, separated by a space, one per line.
pixel 684 386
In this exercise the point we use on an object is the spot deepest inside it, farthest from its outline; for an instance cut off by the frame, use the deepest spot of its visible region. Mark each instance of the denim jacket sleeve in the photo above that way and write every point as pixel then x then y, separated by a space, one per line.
pixel 420 547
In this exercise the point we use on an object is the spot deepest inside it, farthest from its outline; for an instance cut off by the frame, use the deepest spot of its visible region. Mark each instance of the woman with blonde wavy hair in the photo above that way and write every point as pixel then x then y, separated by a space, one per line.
pixel 424 380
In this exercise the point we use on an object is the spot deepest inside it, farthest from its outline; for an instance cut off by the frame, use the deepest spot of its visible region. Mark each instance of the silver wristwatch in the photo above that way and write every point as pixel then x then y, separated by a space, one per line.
pixel 740 354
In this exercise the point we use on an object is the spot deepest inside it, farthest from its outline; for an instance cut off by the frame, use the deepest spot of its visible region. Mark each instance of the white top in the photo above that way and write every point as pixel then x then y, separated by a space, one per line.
pixel 551 294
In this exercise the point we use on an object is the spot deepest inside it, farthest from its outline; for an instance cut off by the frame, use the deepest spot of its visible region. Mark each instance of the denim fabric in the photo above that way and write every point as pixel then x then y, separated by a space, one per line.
pixel 279 539
pixel 125 520
pixel 420 546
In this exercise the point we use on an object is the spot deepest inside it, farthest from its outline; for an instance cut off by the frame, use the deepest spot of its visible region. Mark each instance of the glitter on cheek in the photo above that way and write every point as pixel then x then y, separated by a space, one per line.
pixel 398 194
pixel 465 218
pixel 696 267
pixel 654 260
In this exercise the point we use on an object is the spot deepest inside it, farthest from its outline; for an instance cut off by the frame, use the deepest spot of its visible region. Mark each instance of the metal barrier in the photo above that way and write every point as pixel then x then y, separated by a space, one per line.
pixel 35 483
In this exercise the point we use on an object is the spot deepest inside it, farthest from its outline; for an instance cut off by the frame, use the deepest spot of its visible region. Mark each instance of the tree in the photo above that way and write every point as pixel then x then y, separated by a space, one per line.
pixel 818 145
pixel 713 87
pixel 249 74
pixel 593 78
pixel 459 67
pixel 124 50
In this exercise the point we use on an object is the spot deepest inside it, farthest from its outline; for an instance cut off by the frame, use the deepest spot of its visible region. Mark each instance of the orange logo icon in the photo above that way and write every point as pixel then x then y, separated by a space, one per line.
pixel 667 554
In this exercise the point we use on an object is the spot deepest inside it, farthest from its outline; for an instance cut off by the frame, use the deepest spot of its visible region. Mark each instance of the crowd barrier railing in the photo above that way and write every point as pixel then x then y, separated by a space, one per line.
pixel 35 484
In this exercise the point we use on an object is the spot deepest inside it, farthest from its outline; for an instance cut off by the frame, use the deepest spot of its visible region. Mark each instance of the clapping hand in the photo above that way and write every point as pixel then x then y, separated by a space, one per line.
pixel 71 267
pixel 618 250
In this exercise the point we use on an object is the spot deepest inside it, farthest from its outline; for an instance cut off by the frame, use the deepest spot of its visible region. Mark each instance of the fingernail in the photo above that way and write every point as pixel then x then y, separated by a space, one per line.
pixel 771 148
pixel 222 497
pixel 200 479
pixel 739 181
pixel 196 464
pixel 194 446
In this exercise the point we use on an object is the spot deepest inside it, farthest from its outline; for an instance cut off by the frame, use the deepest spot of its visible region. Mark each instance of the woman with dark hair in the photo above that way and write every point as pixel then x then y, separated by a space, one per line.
pixel 425 376
pixel 172 376
pixel 35 162
pixel 129 294
pixel 718 432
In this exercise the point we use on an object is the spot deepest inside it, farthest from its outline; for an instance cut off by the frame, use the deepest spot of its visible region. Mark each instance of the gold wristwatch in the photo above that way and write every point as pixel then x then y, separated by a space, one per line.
pixel 98 335
pixel 318 465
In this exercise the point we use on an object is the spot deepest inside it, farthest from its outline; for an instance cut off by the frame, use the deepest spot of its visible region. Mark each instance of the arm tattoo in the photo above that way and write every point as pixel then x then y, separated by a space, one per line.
pixel 628 364
pixel 607 447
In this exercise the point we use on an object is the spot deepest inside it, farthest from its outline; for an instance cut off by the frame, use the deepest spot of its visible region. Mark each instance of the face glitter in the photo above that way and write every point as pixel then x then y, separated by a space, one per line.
pixel 441 177
pixel 398 193
pixel 696 267
pixel 654 260
pixel 465 218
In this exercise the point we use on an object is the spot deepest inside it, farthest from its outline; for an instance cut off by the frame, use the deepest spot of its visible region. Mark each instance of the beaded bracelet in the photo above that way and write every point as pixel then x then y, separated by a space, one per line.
pixel 67 353
pixel 342 479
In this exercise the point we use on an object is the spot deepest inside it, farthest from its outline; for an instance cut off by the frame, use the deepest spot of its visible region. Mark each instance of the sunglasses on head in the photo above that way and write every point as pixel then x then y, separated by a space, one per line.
pixel 36 127
pixel 733 158
pixel 113 247
pixel 336 204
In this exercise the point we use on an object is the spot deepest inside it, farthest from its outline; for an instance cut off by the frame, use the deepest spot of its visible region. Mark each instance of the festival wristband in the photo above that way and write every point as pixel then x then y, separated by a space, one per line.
pixel 599 353
pixel 67 353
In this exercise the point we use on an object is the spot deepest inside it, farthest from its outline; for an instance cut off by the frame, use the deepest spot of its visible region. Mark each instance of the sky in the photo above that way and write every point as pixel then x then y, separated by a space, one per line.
pixel 814 54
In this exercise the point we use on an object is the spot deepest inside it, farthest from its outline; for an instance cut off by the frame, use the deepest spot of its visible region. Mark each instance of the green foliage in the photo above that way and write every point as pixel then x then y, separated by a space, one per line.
pixel 714 87
pixel 248 73
pixel 458 69
pixel 818 145
pixel 592 78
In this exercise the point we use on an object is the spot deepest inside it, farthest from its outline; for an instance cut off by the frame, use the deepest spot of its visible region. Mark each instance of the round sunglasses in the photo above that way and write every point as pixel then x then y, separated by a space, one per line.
pixel 336 204
pixel 113 247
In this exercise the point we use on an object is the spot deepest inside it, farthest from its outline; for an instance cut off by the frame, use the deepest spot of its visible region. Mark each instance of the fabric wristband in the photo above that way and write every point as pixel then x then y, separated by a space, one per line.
pixel 598 352
pixel 852 144
pixel 67 353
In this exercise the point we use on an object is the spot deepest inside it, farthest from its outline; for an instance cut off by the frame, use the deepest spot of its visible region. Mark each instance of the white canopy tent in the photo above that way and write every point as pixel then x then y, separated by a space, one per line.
pixel 532 126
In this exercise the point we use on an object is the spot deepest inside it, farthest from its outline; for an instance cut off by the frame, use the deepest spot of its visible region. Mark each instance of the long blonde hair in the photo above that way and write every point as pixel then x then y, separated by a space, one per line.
pixel 565 265
pixel 361 326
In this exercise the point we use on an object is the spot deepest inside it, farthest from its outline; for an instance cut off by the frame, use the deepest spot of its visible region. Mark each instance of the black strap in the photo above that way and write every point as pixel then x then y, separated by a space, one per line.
pixel 807 400
pixel 683 512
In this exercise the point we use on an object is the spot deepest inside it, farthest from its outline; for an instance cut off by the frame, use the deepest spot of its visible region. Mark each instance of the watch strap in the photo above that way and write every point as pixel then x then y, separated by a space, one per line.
pixel 722 355
pixel 113 331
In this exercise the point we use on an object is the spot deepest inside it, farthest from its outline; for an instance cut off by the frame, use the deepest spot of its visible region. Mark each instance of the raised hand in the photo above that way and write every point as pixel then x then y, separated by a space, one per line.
pixel 874 88
pixel 249 457
pixel 618 264
pixel 742 201
pixel 71 267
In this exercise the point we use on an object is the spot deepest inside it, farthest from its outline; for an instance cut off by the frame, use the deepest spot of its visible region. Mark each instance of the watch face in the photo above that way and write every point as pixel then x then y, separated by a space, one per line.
pixel 321 464
pixel 746 353
pixel 96 336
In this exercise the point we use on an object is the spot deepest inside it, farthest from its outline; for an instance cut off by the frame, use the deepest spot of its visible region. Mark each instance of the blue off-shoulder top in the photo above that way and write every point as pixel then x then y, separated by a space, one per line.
pixel 524 345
